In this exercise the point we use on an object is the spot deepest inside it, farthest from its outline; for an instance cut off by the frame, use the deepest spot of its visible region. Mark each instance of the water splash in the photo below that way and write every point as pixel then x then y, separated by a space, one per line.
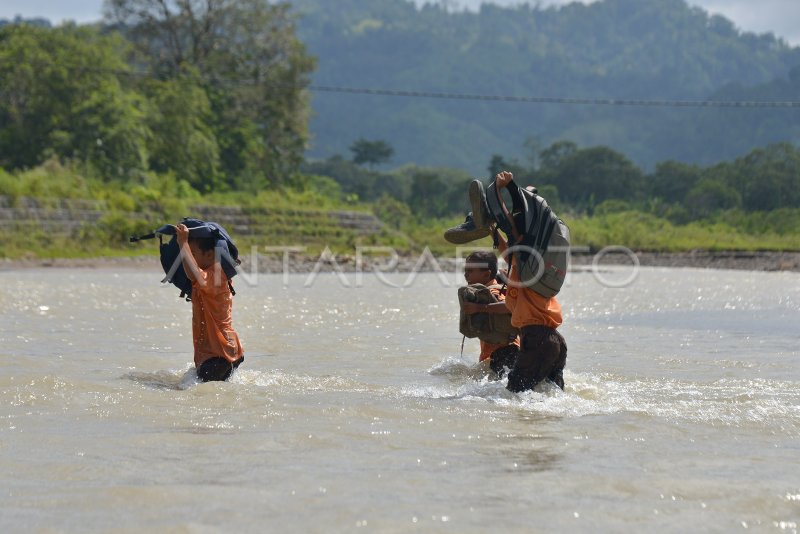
pixel 165 379
pixel 728 402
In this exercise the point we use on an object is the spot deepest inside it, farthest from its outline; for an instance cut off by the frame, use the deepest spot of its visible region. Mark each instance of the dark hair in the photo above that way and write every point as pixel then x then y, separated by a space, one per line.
pixel 204 243
pixel 483 259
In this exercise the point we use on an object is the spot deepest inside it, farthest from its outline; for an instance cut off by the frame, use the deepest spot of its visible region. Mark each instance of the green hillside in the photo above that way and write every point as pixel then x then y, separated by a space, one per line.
pixel 611 49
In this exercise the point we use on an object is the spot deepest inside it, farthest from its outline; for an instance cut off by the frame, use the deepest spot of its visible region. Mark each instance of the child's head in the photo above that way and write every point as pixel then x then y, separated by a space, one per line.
pixel 481 267
pixel 203 251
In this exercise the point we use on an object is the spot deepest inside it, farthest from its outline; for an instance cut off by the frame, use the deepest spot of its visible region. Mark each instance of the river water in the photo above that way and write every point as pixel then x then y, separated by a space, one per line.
pixel 355 411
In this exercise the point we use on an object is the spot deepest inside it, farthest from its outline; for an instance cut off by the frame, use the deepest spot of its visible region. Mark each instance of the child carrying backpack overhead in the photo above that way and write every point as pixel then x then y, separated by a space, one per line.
pixel 217 349
pixel 538 242
pixel 200 259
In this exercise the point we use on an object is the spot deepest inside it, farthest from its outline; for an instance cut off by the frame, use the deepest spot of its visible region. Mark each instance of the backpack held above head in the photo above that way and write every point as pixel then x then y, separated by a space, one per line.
pixel 537 237
pixel 489 327
pixel 171 262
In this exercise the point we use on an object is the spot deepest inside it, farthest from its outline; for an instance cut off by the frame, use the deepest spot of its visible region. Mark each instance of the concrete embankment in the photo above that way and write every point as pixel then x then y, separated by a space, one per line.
pixel 69 216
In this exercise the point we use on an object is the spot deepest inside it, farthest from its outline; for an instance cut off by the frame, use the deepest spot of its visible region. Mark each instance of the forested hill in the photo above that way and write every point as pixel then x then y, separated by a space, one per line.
pixel 43 23
pixel 612 49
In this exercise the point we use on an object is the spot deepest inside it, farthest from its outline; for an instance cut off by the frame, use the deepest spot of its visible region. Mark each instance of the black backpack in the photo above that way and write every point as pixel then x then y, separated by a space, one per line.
pixel 542 237
pixel 170 253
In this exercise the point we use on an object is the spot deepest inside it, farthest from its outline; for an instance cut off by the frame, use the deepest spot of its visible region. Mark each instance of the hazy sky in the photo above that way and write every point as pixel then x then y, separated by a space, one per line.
pixel 782 17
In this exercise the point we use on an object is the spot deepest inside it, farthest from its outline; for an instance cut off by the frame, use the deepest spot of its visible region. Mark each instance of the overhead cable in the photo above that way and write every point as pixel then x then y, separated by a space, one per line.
pixel 560 100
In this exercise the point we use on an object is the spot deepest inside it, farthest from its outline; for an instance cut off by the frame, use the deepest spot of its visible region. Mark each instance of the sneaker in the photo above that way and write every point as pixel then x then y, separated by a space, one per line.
pixel 466 232
pixel 480 208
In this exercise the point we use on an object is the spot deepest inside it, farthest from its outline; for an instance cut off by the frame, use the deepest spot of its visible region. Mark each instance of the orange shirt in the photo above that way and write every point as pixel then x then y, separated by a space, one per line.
pixel 528 307
pixel 211 318
pixel 488 348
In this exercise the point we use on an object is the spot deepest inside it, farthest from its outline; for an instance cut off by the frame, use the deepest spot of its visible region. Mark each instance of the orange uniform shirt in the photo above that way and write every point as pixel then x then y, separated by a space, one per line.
pixel 529 308
pixel 488 348
pixel 211 318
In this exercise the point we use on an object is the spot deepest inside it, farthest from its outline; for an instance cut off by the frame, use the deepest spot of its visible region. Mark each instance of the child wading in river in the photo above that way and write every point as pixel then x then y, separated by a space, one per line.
pixel 217 349
pixel 481 268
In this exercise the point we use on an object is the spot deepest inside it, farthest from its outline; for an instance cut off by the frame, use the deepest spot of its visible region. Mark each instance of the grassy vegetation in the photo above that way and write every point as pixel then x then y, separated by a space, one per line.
pixel 305 215
pixel 646 232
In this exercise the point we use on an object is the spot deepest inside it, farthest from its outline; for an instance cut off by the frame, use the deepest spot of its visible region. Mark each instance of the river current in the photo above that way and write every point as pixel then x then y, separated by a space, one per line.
pixel 355 409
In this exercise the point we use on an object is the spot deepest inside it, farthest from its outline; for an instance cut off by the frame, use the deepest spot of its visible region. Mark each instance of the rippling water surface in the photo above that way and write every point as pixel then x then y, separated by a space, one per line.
pixel 355 410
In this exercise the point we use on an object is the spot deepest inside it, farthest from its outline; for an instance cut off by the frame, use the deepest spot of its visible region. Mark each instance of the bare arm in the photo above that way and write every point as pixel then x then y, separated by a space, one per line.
pixel 502 243
pixel 501 180
pixel 187 258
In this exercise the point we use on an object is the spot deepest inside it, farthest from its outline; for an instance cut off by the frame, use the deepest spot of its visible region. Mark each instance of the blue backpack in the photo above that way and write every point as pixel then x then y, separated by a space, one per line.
pixel 170 253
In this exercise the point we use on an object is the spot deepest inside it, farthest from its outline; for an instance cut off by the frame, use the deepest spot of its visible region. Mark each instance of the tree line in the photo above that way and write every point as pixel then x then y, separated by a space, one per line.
pixel 588 181
pixel 212 95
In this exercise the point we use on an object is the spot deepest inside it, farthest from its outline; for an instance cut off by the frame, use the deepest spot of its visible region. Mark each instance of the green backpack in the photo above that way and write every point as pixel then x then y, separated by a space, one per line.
pixel 489 327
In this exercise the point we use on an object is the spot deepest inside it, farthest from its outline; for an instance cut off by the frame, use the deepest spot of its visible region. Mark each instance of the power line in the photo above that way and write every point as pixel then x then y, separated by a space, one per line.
pixel 561 100
pixel 585 101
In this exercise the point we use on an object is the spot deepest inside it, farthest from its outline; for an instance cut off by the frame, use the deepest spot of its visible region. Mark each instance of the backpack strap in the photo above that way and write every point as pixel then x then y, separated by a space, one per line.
pixel 500 287
pixel 507 214
pixel 495 238
pixel 134 239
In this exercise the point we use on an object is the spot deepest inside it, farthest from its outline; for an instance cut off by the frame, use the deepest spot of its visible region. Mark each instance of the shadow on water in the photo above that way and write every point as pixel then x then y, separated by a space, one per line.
pixel 531 454
pixel 207 430
pixel 166 380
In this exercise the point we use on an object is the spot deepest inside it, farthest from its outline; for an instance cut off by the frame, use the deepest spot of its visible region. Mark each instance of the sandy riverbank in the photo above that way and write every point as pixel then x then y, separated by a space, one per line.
pixel 276 263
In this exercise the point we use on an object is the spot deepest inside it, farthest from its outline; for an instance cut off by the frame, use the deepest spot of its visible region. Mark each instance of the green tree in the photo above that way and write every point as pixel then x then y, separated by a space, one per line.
pixel 183 139
pixel 769 178
pixel 590 176
pixel 498 164
pixel 65 92
pixel 672 180
pixel 552 156
pixel 253 67
pixel 426 194
pixel 371 152
pixel 709 196
pixel 352 178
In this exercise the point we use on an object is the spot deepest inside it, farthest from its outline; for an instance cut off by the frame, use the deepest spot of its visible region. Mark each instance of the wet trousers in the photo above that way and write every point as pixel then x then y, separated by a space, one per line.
pixel 217 369
pixel 542 355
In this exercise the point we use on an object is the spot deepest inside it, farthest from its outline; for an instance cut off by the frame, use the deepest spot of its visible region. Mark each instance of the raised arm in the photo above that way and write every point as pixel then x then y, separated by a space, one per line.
pixel 187 258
